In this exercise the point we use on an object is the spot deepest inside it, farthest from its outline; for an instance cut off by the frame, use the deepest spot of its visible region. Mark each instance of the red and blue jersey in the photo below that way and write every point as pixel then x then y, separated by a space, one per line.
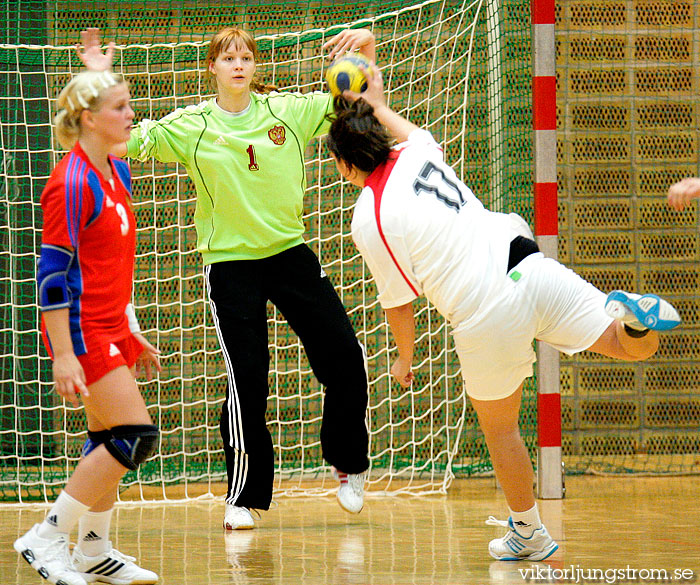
pixel 84 213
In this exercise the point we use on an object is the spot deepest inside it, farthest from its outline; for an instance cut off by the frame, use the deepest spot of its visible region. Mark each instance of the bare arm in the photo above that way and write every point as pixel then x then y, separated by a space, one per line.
pixel 356 39
pixel 91 53
pixel 403 328
pixel 680 194
pixel 148 360
pixel 398 126
pixel 68 374
pixel 95 60
pixel 150 356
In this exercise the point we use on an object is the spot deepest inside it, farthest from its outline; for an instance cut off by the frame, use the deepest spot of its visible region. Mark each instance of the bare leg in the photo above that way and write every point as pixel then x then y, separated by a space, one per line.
pixel 106 502
pixel 617 343
pixel 114 400
pixel 511 462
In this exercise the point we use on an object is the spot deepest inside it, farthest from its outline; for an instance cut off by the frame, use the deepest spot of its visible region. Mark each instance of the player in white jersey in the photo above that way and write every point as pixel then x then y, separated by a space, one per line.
pixel 422 231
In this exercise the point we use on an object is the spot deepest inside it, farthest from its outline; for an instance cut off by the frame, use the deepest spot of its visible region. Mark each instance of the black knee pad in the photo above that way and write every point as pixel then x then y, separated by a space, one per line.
pixel 131 445
pixel 94 440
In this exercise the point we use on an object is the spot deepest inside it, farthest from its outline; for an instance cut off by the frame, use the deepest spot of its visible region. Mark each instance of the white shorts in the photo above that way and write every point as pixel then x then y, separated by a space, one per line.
pixel 550 303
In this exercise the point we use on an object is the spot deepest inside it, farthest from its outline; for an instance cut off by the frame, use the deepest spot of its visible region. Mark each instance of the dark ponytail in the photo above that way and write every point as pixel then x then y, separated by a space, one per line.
pixel 356 136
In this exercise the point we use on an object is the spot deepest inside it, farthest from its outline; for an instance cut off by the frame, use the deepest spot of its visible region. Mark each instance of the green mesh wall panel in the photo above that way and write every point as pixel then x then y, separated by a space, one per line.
pixel 627 99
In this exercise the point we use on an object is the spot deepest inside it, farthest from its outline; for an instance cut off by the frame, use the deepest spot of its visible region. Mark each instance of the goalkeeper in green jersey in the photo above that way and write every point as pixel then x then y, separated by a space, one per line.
pixel 244 151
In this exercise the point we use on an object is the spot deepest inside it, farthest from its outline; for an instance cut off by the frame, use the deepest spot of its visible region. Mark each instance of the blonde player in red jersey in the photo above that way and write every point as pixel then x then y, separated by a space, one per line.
pixel 422 231
pixel 84 279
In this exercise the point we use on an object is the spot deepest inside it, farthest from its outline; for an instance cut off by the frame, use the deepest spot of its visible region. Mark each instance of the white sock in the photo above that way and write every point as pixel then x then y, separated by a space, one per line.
pixel 63 516
pixel 526 522
pixel 93 532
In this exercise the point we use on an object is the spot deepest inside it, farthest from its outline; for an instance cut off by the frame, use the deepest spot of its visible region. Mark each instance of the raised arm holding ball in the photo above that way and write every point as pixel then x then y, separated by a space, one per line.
pixel 422 231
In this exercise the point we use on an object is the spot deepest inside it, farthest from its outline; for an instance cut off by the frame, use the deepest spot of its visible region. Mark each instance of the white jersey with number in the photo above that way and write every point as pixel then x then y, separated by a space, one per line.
pixel 422 231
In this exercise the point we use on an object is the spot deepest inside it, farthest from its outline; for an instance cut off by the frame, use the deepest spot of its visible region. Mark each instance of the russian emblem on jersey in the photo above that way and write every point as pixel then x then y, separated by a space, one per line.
pixel 277 135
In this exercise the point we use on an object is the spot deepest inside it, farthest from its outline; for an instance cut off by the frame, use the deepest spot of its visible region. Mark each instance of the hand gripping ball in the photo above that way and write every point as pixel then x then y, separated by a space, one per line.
pixel 344 73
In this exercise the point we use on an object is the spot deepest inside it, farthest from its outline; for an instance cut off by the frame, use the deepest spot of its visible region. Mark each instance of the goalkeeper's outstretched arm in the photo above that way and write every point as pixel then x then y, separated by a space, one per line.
pixel 95 59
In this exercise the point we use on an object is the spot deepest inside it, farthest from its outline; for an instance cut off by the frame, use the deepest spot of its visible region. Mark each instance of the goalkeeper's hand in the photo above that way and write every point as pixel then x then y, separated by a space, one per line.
pixel 349 40
pixel 91 52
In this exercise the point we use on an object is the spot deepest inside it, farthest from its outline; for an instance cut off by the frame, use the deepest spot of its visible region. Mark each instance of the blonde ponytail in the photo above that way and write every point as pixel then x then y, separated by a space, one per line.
pixel 83 92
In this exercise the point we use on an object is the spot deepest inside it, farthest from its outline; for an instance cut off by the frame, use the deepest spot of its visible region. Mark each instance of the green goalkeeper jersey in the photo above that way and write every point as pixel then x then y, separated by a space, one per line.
pixel 248 169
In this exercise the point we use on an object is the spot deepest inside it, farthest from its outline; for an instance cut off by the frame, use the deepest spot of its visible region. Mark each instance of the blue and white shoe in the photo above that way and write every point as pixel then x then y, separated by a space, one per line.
pixel 516 547
pixel 642 311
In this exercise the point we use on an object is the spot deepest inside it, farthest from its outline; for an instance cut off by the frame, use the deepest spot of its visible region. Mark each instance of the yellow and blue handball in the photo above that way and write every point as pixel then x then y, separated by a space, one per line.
pixel 345 74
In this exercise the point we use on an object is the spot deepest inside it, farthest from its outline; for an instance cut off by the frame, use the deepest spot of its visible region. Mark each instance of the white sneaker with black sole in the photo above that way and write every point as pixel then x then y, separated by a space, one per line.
pixel 50 557
pixel 112 567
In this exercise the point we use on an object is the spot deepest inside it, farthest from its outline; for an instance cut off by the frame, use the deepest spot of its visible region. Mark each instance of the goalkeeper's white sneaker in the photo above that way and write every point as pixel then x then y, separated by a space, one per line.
pixel 351 492
pixel 50 557
pixel 516 547
pixel 112 567
pixel 642 311
pixel 238 518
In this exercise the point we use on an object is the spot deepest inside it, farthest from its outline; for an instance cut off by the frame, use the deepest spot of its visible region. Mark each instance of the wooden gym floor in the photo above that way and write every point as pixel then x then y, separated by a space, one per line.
pixel 628 524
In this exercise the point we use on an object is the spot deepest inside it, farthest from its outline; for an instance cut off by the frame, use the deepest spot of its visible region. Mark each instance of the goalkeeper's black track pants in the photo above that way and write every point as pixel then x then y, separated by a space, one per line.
pixel 294 282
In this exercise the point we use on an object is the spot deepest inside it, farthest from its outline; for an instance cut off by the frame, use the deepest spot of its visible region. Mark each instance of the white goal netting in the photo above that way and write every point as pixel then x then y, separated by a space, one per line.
pixel 436 57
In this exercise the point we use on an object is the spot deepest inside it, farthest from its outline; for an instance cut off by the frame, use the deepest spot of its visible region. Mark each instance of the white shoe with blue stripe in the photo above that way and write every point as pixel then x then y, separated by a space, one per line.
pixel 112 567
pixel 642 311
pixel 516 547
